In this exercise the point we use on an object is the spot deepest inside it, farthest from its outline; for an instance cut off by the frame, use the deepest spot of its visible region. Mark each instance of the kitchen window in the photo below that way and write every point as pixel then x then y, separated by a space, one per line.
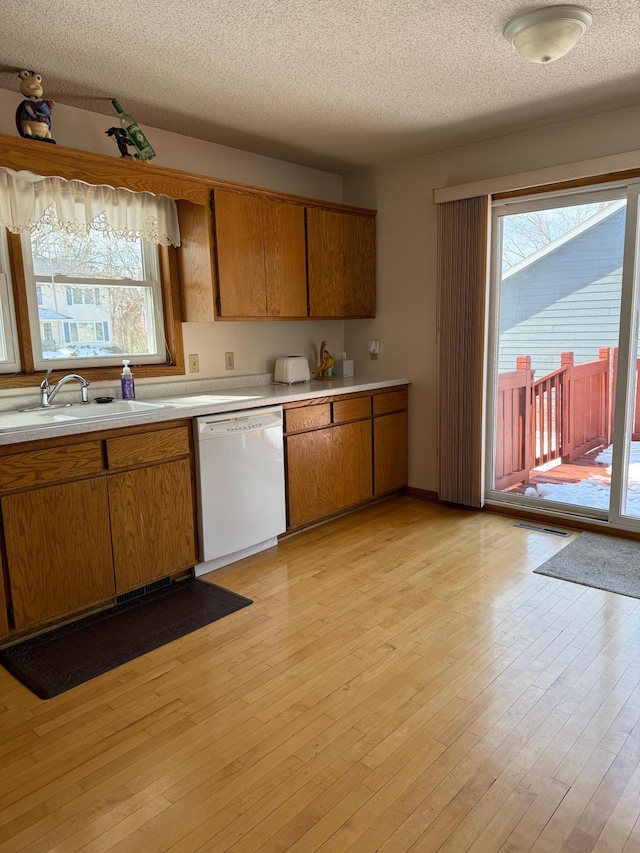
pixel 93 279
pixel 91 283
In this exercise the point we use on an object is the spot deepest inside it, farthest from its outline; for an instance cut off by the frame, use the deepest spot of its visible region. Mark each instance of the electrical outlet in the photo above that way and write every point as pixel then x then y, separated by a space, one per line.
pixel 373 347
pixel 194 363
pixel 229 361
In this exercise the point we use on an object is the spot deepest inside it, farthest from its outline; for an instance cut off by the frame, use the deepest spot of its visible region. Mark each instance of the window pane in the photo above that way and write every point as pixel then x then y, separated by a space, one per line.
pixel 108 321
pixel 95 254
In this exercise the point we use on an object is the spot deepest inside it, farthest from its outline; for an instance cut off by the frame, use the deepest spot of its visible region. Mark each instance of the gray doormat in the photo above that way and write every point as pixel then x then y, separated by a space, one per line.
pixel 604 562
pixel 72 654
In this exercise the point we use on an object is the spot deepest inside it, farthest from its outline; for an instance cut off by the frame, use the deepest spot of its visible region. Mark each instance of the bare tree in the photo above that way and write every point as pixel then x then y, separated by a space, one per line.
pixel 525 233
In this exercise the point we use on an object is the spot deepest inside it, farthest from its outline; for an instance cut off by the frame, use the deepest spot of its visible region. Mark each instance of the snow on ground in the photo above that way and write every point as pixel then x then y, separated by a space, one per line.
pixel 606 456
pixel 593 491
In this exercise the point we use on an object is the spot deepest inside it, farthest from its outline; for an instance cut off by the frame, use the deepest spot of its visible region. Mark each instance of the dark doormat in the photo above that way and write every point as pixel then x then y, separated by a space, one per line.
pixel 604 562
pixel 72 654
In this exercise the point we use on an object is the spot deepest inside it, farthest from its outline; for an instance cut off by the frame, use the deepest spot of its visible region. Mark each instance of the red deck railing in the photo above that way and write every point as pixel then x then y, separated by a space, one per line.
pixel 562 415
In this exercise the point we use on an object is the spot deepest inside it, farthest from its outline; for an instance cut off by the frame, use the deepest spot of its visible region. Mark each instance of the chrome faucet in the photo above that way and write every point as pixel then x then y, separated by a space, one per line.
pixel 47 393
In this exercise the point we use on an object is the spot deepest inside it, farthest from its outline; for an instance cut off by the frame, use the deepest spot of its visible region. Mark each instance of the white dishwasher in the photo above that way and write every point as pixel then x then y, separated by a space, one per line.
pixel 240 482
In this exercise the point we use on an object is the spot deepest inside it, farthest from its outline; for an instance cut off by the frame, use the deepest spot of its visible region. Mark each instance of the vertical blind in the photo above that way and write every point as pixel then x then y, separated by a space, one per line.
pixel 463 237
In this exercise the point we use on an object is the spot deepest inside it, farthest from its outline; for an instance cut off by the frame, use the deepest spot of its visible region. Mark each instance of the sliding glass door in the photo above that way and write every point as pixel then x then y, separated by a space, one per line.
pixel 564 413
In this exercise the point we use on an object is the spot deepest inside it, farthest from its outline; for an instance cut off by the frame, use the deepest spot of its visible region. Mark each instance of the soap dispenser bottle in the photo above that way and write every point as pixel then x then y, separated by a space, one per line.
pixel 126 381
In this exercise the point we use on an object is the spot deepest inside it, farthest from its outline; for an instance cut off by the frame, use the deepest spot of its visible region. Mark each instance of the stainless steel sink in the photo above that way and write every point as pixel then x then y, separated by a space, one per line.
pixel 57 415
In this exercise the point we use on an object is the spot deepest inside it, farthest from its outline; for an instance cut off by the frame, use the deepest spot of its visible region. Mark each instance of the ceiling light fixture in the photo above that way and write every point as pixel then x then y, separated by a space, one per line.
pixel 548 33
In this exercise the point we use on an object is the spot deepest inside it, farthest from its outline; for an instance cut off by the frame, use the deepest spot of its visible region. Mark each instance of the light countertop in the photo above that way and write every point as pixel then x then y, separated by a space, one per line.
pixel 17 427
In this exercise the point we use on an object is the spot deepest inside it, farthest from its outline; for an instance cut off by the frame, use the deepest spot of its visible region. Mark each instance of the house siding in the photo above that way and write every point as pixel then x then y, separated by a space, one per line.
pixel 566 301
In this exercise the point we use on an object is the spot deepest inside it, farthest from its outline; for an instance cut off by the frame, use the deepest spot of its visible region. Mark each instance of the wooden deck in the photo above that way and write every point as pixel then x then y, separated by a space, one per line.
pixel 403 681
pixel 583 468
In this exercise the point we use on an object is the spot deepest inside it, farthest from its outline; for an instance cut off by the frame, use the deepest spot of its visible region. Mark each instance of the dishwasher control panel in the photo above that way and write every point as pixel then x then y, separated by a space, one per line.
pixel 225 425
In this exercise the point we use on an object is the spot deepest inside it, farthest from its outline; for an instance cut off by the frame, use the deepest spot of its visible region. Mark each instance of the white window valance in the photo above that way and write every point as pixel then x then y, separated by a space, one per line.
pixel 27 200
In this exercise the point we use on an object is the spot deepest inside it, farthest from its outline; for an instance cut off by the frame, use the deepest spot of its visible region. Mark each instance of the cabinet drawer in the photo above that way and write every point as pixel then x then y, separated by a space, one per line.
pixel 351 410
pixel 307 417
pixel 147 447
pixel 395 401
pixel 50 465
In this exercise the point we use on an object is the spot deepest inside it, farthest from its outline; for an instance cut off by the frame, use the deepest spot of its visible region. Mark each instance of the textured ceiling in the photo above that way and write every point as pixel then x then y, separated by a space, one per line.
pixel 335 84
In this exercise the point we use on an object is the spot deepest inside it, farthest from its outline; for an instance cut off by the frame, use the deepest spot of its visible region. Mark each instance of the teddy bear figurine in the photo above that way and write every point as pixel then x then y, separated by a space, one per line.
pixel 33 116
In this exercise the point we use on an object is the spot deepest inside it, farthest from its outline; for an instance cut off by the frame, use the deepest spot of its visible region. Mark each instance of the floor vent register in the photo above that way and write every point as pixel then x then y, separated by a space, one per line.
pixel 553 531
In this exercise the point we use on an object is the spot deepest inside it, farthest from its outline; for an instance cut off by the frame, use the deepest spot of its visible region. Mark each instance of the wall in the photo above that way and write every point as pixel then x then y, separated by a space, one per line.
pixel 407 246
pixel 255 344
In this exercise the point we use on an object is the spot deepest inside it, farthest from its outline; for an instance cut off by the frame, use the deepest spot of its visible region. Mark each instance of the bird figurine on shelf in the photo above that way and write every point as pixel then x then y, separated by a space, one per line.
pixel 325 369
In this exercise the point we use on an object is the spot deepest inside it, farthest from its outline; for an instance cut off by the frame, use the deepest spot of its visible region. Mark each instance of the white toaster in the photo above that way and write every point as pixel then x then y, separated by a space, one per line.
pixel 290 369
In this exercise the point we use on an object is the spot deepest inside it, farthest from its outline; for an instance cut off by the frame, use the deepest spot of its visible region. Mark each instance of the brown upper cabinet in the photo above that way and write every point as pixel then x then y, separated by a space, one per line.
pixel 284 258
pixel 360 265
pixel 239 245
pixel 260 252
pixel 341 252
pixel 326 261
pixel 260 257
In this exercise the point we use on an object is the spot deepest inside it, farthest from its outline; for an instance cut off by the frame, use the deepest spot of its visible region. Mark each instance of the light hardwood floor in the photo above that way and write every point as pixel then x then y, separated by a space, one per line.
pixel 403 681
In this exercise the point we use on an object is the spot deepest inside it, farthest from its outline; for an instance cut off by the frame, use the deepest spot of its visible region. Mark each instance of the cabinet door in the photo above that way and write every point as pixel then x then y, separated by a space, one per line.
pixel 360 265
pixel 152 523
pixel 353 471
pixel 4 622
pixel 390 452
pixel 285 259
pixel 196 269
pixel 310 476
pixel 240 254
pixel 58 549
pixel 326 262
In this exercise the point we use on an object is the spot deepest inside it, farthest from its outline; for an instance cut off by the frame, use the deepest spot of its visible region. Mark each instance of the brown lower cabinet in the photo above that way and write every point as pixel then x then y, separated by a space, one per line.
pixel 352 464
pixel 310 476
pixel 390 452
pixel 4 621
pixel 328 470
pixel 151 513
pixel 58 549
pixel 120 515
pixel 332 465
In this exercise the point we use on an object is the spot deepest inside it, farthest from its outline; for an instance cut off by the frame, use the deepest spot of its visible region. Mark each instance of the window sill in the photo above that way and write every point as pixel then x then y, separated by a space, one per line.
pixel 93 374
